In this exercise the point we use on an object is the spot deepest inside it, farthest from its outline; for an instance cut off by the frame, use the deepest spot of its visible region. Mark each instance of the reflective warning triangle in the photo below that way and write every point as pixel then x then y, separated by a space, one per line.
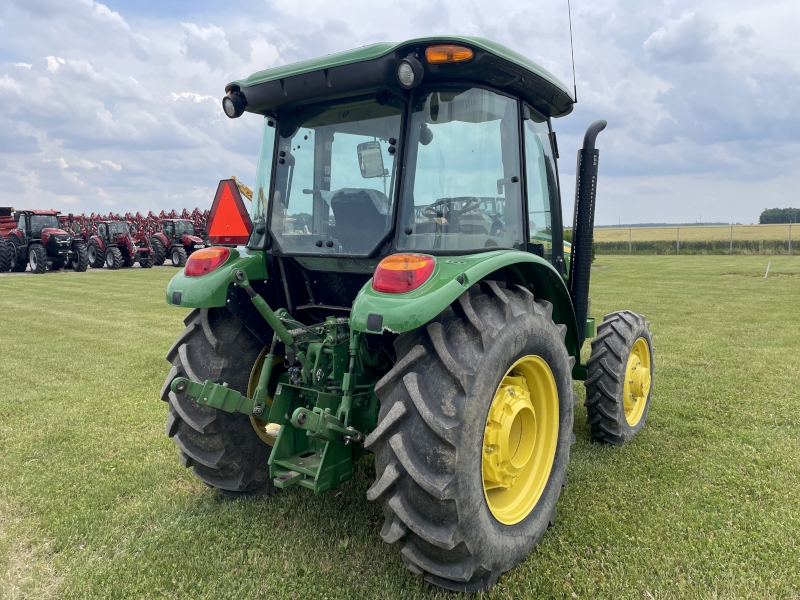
pixel 228 223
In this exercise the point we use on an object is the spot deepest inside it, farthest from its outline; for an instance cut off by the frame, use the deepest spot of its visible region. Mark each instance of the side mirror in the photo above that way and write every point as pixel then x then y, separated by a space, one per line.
pixel 15 215
pixel 370 160
pixel 71 217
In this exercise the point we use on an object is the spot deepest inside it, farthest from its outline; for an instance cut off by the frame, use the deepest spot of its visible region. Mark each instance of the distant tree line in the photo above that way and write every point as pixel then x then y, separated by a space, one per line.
pixel 780 215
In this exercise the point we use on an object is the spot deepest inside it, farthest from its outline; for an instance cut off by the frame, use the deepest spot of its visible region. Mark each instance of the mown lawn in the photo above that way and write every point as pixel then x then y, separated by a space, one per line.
pixel 704 503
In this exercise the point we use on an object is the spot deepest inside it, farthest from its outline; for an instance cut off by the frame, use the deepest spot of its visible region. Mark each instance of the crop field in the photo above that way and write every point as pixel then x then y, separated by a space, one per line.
pixel 704 503
pixel 698 239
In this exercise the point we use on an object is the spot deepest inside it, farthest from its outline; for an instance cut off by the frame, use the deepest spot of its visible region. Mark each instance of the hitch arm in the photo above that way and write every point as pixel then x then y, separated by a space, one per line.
pixel 214 395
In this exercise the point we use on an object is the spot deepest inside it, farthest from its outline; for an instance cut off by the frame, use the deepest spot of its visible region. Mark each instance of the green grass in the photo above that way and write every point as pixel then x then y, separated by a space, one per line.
pixel 704 503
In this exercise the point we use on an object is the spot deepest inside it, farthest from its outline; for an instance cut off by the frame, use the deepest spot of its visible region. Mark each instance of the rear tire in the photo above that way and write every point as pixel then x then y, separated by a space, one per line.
pixel 223 447
pixel 37 258
pixel 178 256
pixel 608 368
pixel 97 259
pixel 6 255
pixel 114 258
pixel 81 260
pixel 429 441
pixel 159 252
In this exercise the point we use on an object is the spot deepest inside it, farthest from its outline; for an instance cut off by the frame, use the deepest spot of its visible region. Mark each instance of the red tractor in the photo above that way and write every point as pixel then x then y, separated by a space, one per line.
pixel 35 237
pixel 114 246
pixel 176 241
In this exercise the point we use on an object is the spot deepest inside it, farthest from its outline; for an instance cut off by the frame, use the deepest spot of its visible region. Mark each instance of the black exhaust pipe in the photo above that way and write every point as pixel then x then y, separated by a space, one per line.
pixel 580 263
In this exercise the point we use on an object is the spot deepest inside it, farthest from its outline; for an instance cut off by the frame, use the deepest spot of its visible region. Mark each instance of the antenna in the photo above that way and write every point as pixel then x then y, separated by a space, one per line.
pixel 572 52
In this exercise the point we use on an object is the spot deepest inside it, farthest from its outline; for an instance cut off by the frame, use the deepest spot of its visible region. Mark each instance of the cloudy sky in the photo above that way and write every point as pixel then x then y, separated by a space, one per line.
pixel 115 105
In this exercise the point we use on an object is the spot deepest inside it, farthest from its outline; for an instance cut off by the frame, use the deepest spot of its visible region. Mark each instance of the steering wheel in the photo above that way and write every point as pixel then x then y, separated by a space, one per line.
pixel 447 210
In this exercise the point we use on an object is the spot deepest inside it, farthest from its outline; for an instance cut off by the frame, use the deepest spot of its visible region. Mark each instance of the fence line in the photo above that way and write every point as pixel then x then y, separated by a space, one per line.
pixel 696 239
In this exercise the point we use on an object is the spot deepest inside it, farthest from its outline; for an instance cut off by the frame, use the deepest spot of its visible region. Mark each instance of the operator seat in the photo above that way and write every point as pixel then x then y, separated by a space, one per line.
pixel 361 218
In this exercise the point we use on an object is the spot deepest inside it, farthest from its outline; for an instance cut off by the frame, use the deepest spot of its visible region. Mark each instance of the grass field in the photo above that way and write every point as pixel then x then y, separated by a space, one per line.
pixel 698 239
pixel 697 233
pixel 704 503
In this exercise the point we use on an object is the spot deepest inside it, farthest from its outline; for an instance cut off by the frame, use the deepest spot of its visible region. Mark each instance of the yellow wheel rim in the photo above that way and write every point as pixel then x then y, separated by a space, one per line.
pixel 519 442
pixel 267 431
pixel 637 381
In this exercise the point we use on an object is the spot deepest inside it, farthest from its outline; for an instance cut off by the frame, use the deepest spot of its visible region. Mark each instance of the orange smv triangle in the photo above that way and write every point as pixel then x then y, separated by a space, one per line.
pixel 228 223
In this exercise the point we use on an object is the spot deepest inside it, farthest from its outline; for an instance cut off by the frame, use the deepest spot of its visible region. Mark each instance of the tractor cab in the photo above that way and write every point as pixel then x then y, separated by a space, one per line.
pixel 175 229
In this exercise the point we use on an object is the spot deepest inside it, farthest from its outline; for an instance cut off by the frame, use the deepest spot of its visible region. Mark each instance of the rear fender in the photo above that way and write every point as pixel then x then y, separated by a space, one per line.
pixel 376 312
pixel 162 238
pixel 99 241
pixel 211 290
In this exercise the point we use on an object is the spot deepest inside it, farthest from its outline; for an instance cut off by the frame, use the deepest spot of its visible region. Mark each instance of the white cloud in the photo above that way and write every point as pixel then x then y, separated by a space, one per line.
pixel 53 63
pixel 698 95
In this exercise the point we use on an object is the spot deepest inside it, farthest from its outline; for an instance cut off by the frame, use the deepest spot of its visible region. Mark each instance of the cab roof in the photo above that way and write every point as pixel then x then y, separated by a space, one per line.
pixel 50 212
pixel 372 68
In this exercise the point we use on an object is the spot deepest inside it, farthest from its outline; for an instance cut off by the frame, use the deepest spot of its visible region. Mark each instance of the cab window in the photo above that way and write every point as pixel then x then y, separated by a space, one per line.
pixel 541 182
pixel 463 190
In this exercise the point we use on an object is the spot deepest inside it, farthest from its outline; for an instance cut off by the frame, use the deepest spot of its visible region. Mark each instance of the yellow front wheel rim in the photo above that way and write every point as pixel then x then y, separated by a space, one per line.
pixel 637 381
pixel 520 439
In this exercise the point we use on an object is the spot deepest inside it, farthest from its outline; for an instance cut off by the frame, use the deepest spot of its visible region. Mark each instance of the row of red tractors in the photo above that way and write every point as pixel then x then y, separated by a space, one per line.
pixel 46 239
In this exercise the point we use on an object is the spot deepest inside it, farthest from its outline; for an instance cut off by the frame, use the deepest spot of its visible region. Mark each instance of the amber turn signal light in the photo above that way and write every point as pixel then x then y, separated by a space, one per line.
pixel 447 53
pixel 205 260
pixel 401 273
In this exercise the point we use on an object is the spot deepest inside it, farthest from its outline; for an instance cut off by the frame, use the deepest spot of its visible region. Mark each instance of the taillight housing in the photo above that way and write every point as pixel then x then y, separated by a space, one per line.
pixel 400 273
pixel 205 260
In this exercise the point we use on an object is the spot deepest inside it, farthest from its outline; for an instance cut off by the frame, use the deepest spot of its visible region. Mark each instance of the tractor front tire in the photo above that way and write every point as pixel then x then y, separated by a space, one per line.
pixel 224 448
pixel 178 256
pixel 96 257
pixel 159 252
pixel 128 262
pixel 37 258
pixel 439 404
pixel 80 261
pixel 146 263
pixel 6 255
pixel 114 258
pixel 619 381
pixel 56 265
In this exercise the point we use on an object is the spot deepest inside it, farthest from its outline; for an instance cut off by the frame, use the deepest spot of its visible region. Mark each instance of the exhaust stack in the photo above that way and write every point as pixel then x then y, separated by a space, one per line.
pixel 583 225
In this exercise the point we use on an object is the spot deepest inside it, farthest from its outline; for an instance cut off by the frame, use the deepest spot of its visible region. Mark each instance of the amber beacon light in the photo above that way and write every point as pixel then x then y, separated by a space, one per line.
pixel 447 53
pixel 401 273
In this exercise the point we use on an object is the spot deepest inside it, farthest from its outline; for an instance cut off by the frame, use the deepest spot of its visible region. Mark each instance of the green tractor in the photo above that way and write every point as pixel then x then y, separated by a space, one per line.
pixel 416 314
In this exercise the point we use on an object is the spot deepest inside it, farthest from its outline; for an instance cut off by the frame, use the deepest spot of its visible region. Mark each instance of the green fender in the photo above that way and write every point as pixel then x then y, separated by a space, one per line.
pixel 211 290
pixel 452 275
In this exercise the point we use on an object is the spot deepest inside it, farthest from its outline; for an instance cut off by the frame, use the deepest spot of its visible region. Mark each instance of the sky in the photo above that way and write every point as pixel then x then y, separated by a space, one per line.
pixel 116 105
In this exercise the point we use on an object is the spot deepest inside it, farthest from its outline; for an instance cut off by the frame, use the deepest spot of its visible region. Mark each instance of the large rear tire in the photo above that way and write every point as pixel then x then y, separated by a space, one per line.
pixel 159 252
pixel 6 255
pixel 97 259
pixel 80 262
pixel 37 258
pixel 224 448
pixel 620 375
pixel 431 473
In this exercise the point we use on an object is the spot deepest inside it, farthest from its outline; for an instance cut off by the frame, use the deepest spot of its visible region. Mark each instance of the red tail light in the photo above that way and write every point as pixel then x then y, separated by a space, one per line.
pixel 205 260
pixel 401 273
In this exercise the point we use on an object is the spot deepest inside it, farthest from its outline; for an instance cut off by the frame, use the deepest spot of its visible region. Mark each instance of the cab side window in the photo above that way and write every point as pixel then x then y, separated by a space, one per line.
pixel 541 181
